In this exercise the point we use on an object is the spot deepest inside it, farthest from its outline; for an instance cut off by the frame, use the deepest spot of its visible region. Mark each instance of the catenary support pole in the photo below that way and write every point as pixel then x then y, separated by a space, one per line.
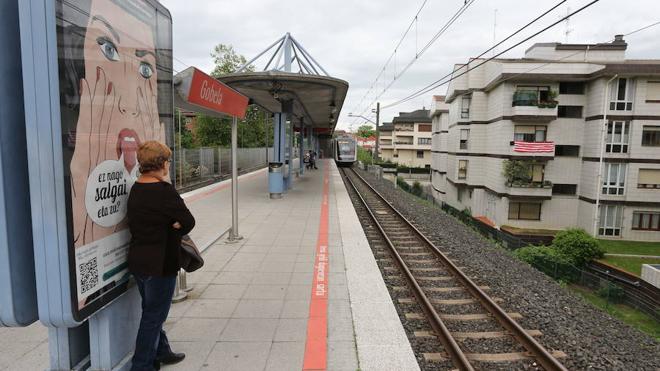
pixel 233 233
pixel 376 154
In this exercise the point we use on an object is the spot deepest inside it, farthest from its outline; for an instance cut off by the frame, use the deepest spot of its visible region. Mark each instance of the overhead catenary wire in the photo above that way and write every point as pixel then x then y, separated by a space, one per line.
pixel 440 82
pixel 387 62
pixel 418 54
pixel 442 30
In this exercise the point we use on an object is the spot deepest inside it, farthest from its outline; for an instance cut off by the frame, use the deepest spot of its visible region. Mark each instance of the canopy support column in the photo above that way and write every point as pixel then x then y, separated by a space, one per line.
pixel 301 145
pixel 233 233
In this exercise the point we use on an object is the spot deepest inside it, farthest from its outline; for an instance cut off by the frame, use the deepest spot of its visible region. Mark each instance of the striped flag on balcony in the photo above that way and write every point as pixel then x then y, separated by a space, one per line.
pixel 533 147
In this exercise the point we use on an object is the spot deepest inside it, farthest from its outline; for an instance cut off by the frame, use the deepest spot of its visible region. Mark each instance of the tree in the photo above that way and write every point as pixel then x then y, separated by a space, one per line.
pixel 366 131
pixel 226 60
pixel 212 131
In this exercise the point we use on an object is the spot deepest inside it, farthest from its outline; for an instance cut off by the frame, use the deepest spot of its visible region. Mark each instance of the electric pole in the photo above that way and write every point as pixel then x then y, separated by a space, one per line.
pixel 376 154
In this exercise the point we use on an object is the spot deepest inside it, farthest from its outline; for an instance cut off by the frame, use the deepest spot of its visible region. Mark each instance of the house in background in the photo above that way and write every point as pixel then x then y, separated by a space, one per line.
pixel 407 139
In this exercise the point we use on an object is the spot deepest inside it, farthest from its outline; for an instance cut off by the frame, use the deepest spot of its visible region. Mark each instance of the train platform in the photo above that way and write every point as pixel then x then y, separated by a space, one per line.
pixel 300 291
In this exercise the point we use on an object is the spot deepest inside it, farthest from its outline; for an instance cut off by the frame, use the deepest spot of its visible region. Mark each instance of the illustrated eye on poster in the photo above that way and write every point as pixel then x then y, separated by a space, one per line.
pixel 114 60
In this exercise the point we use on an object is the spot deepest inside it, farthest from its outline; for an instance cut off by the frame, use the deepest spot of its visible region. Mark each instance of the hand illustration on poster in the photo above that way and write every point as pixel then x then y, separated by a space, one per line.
pixel 109 60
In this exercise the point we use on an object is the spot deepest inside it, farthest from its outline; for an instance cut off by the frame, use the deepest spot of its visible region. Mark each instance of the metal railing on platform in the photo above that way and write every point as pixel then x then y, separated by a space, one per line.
pixel 197 167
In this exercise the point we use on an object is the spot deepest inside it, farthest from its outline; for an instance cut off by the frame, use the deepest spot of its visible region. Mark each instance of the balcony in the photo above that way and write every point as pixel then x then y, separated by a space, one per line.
pixel 529 107
pixel 543 189
pixel 532 149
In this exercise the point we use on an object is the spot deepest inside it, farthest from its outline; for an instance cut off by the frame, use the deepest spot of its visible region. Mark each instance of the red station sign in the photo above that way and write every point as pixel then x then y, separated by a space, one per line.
pixel 209 93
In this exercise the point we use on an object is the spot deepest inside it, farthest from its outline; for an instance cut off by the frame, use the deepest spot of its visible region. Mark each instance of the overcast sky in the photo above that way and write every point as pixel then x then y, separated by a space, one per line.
pixel 353 39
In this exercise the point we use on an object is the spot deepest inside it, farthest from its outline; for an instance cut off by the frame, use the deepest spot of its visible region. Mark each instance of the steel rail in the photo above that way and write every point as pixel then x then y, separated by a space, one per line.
pixel 542 355
pixel 451 347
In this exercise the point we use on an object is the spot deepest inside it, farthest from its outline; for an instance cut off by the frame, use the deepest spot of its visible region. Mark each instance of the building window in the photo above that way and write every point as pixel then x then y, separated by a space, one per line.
pixel 653 92
pixel 567 151
pixel 462 169
pixel 424 141
pixel 395 155
pixel 465 136
pixel 610 220
pixel 527 133
pixel 646 221
pixel 424 128
pixel 536 173
pixel 614 179
pixel 622 93
pixel 576 88
pixel 618 133
pixel 564 189
pixel 530 95
pixel 525 210
pixel 648 178
pixel 459 194
pixel 420 154
pixel 465 106
pixel 573 112
pixel 651 136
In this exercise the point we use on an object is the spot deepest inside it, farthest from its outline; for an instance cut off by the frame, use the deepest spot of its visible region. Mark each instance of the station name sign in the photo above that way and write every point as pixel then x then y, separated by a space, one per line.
pixel 209 93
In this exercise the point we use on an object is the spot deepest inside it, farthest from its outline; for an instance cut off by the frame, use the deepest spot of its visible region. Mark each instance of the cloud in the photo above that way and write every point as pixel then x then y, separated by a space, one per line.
pixel 353 39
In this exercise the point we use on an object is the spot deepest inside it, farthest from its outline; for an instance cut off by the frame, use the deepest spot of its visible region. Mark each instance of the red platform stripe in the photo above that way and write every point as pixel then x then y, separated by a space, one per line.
pixel 317 326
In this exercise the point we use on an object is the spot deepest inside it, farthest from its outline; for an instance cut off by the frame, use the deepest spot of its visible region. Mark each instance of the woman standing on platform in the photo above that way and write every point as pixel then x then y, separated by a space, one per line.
pixel 157 218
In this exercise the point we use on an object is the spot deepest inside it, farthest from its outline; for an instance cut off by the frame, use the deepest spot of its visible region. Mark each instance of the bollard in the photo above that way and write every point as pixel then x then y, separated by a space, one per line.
pixel 179 295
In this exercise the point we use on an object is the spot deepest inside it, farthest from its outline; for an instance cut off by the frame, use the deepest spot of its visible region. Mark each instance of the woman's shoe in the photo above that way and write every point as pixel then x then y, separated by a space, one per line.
pixel 171 358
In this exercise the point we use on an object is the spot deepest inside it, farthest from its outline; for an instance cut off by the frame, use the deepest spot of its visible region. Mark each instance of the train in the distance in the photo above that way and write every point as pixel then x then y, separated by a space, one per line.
pixel 345 150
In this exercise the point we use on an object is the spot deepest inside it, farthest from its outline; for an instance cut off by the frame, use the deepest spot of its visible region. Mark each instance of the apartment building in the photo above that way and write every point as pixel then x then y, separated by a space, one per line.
pixel 407 139
pixel 519 142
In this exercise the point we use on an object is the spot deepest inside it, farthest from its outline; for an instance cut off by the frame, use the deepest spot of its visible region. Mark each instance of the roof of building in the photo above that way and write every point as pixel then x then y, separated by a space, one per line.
pixel 386 126
pixel 420 115
pixel 617 44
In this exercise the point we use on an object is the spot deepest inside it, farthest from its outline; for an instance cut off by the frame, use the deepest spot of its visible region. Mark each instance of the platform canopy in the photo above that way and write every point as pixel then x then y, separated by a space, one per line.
pixel 291 74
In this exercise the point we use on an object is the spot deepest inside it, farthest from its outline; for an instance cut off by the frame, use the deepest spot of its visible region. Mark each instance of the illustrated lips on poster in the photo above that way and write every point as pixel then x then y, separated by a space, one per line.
pixel 128 143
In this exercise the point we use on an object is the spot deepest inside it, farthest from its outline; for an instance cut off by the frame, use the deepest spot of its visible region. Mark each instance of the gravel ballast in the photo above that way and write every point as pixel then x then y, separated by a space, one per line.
pixel 591 338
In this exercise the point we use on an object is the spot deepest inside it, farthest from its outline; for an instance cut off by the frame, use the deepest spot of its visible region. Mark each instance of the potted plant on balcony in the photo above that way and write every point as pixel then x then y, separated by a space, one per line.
pixel 517 173
pixel 551 101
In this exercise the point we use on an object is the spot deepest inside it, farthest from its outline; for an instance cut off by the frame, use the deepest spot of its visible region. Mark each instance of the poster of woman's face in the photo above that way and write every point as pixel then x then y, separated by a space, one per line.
pixel 114 66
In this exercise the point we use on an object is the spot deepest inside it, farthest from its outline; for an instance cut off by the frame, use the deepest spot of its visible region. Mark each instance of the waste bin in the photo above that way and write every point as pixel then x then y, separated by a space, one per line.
pixel 275 179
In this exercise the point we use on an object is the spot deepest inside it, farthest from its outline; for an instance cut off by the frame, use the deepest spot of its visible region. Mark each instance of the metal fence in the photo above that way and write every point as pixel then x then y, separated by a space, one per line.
pixel 612 289
pixel 603 286
pixel 198 167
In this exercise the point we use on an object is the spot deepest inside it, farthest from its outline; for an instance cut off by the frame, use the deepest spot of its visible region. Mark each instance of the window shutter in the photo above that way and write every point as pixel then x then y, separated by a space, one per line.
pixel 649 176
pixel 520 129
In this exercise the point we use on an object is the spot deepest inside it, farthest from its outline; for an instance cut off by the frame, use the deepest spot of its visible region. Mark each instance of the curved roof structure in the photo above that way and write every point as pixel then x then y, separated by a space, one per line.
pixel 316 98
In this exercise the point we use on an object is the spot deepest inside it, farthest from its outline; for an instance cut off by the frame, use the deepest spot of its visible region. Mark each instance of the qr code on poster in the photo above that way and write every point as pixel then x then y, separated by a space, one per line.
pixel 89 275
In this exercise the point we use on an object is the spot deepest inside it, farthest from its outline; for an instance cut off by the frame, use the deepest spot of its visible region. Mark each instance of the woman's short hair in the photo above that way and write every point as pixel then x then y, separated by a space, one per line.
pixel 152 156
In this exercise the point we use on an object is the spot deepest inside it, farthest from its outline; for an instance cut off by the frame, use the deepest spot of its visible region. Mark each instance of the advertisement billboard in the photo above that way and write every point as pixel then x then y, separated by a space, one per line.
pixel 112 90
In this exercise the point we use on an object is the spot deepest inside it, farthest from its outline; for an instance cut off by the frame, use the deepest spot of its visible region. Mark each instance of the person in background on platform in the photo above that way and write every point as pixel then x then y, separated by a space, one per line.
pixel 157 218
pixel 313 159
pixel 306 159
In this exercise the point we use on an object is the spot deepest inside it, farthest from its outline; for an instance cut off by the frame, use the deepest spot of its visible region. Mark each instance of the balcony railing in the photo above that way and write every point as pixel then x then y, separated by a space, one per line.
pixel 526 98
pixel 404 143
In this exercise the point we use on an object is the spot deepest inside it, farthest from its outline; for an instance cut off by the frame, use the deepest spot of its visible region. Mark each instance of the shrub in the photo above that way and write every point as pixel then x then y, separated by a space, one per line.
pixel 577 246
pixel 549 261
pixel 402 184
pixel 539 256
pixel 417 189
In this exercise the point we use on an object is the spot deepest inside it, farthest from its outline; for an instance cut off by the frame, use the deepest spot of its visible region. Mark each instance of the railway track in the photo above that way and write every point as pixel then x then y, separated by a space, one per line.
pixel 466 321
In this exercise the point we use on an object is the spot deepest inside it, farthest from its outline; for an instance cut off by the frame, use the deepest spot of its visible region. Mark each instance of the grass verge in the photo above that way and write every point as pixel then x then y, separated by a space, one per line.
pixel 631 265
pixel 625 313
pixel 630 247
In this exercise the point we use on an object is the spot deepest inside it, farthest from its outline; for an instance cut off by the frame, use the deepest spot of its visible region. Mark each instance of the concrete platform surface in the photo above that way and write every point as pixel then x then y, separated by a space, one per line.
pixel 250 305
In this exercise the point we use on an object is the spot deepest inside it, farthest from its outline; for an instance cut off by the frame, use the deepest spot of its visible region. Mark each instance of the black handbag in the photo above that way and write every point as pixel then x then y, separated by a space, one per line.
pixel 190 258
